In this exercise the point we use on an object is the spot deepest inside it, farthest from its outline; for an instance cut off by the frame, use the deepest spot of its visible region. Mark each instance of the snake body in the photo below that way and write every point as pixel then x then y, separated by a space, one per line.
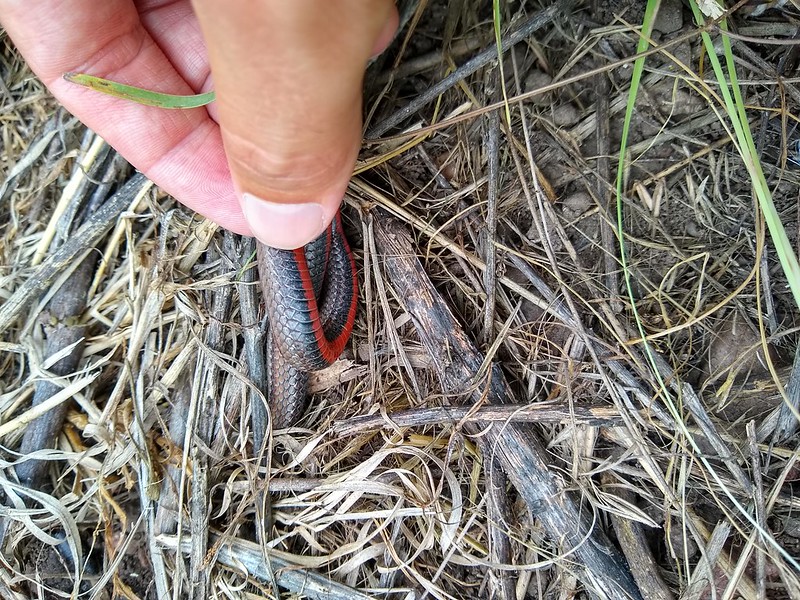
pixel 310 296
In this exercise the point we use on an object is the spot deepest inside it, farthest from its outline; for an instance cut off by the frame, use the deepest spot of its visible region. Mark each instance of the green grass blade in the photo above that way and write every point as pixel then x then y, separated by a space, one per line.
pixel 139 95
pixel 638 68
pixel 735 107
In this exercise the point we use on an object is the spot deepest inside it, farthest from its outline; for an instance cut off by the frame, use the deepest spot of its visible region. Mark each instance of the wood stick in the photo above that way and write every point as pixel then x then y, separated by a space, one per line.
pixel 545 412
pixel 91 232
pixel 237 553
pixel 522 456
pixel 632 538
pixel 63 329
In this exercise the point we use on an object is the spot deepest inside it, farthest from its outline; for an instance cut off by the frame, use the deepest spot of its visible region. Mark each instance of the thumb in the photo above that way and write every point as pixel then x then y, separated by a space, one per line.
pixel 288 77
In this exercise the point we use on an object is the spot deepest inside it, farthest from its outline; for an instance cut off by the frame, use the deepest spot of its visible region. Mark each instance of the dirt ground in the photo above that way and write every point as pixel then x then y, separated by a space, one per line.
pixel 658 395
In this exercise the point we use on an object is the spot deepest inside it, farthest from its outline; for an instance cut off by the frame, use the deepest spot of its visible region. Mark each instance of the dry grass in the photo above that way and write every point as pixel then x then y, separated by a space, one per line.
pixel 703 475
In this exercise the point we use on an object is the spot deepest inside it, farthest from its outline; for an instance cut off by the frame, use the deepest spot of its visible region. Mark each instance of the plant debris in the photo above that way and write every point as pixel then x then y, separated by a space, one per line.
pixel 668 432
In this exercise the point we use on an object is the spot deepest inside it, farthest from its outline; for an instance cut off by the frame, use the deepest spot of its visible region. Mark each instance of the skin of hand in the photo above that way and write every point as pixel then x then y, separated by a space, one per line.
pixel 272 157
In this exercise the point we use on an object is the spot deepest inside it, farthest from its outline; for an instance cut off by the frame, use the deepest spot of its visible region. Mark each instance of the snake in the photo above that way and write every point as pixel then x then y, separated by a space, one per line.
pixel 310 295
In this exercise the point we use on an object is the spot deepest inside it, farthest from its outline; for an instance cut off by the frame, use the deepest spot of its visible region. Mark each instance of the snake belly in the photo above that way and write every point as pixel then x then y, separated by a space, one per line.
pixel 310 296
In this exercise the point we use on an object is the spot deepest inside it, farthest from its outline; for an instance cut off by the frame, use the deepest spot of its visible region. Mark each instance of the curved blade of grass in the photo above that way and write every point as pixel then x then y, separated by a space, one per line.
pixel 139 95
pixel 735 106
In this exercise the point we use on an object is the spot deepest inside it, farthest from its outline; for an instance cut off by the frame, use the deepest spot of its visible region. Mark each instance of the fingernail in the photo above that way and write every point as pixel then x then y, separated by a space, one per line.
pixel 286 226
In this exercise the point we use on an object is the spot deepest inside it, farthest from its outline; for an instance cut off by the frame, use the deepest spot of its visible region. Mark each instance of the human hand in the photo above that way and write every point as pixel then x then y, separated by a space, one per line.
pixel 288 81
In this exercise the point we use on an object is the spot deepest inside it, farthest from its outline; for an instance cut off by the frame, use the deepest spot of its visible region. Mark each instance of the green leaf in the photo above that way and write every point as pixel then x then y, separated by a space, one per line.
pixel 139 95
